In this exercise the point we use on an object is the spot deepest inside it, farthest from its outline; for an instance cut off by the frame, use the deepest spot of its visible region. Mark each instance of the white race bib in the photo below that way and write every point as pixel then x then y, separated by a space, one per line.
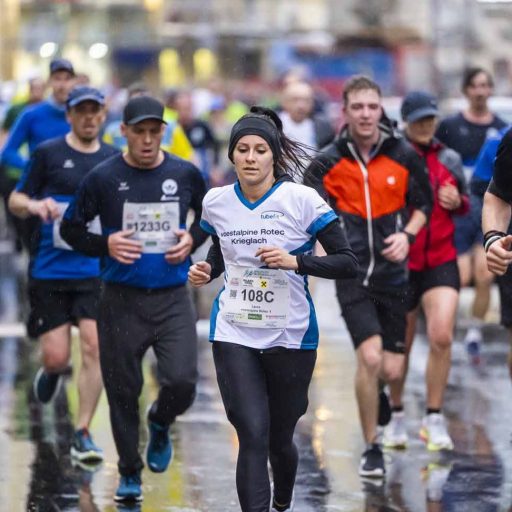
pixel 257 297
pixel 154 224
pixel 58 242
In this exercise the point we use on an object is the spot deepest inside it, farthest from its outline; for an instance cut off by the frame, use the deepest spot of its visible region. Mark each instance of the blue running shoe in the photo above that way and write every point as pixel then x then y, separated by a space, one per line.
pixel 129 488
pixel 473 343
pixel 46 385
pixel 159 452
pixel 84 449
pixel 473 350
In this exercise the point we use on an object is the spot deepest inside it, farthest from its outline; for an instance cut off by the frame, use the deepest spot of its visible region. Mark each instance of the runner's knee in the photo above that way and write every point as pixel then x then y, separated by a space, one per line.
pixel 392 371
pixel 440 340
pixel 55 360
pixel 370 359
pixel 178 395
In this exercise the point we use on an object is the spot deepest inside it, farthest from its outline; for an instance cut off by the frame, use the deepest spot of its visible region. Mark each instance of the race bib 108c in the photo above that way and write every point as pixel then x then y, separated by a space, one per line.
pixel 257 297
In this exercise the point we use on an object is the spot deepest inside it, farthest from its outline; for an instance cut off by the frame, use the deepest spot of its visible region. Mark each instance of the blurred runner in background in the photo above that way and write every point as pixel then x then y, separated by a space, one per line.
pixel 63 284
pixel 465 132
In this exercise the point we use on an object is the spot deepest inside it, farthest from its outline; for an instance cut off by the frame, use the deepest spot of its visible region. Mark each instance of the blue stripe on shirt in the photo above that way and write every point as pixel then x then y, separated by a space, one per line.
pixel 320 222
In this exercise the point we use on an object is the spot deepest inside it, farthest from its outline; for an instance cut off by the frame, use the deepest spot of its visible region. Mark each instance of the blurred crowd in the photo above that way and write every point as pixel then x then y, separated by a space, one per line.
pixel 205 112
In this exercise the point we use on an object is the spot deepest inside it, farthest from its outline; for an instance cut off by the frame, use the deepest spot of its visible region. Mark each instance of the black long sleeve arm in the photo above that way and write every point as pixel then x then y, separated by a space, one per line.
pixel 199 236
pixel 82 240
pixel 215 259
pixel 340 261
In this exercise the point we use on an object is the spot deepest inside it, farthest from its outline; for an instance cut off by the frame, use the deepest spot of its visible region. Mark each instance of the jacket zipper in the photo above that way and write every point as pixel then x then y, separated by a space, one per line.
pixel 369 223
pixel 399 224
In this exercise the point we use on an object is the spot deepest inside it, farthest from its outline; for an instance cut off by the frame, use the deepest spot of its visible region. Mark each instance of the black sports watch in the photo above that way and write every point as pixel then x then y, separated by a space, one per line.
pixel 410 237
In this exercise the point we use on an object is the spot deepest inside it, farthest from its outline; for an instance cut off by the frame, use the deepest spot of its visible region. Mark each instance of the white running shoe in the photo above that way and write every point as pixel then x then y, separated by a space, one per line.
pixel 434 432
pixel 395 433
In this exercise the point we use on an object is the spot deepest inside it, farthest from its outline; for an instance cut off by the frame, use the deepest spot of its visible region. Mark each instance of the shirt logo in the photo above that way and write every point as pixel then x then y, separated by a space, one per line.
pixel 391 180
pixel 68 164
pixel 271 215
pixel 169 188
pixel 492 132
pixel 123 186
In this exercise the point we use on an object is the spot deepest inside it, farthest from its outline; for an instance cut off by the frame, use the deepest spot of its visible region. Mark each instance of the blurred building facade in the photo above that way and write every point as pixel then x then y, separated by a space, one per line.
pixel 403 44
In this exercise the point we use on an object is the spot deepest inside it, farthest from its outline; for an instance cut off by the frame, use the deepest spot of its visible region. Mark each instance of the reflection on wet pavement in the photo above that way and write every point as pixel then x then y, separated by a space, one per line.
pixel 37 474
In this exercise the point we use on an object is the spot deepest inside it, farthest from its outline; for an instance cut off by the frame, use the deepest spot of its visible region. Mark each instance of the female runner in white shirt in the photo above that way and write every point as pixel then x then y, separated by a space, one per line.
pixel 263 324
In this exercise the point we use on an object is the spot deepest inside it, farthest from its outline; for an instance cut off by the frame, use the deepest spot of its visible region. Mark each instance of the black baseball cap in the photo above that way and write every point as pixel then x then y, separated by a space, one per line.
pixel 84 93
pixel 61 65
pixel 141 108
pixel 418 105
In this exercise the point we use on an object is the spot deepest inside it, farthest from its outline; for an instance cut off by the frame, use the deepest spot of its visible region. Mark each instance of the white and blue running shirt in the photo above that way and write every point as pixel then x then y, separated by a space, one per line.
pixel 288 216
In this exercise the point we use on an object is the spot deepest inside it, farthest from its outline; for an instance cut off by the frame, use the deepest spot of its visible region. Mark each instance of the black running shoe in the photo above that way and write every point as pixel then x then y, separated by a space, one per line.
pixel 46 385
pixel 384 409
pixel 372 463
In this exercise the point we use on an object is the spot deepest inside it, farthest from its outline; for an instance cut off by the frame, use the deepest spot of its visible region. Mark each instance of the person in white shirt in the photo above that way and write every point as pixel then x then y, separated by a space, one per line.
pixel 263 324
pixel 299 122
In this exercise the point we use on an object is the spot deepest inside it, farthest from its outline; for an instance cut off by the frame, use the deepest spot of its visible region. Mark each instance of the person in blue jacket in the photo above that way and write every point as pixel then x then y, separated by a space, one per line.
pixel 482 185
pixel 43 121
pixel 63 284
pixel 142 198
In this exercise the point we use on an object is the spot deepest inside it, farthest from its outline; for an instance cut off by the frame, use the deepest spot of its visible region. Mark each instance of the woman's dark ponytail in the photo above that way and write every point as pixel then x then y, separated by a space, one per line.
pixel 295 157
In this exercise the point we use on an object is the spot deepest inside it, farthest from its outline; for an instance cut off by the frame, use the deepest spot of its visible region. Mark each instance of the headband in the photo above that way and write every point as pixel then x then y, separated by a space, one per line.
pixel 254 124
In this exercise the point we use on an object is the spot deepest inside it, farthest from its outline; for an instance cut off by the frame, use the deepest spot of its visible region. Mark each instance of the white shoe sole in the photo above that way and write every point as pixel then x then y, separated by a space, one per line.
pixel 128 499
pixel 433 447
pixel 376 473
pixel 400 444
pixel 90 456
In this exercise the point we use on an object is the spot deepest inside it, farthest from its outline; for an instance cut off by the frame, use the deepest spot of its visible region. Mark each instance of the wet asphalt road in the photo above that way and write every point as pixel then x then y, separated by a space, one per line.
pixel 36 472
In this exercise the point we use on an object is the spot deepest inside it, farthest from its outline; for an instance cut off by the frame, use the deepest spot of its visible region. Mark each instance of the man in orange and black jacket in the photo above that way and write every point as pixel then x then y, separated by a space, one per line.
pixel 379 186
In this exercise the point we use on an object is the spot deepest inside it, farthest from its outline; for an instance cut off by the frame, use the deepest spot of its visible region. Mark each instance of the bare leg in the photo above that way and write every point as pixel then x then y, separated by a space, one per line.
pixel 369 359
pixel 392 369
pixel 440 306
pixel 55 348
pixel 483 281
pixel 396 387
pixel 465 268
pixel 90 383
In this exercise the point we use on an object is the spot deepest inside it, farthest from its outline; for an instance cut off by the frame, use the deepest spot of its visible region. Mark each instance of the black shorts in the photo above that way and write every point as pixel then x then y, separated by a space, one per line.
pixel 56 302
pixel 446 274
pixel 505 288
pixel 369 312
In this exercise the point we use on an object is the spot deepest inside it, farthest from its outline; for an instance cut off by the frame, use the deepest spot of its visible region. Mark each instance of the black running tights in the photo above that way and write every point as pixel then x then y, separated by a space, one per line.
pixel 264 394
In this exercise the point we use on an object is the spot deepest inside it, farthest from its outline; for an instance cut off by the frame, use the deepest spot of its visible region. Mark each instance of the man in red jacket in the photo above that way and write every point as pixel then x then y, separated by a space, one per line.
pixel 434 280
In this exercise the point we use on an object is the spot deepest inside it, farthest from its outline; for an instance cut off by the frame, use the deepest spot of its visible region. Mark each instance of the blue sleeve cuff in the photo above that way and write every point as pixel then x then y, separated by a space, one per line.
pixel 319 223
pixel 206 227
